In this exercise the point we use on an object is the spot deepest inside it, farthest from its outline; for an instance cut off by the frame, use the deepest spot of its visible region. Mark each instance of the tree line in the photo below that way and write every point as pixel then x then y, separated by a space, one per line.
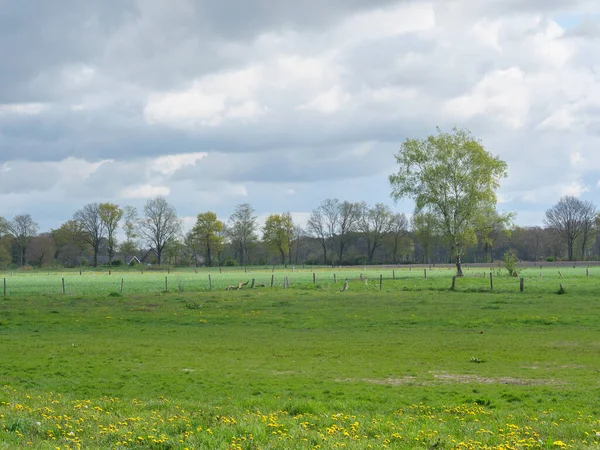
pixel 336 233
pixel 450 176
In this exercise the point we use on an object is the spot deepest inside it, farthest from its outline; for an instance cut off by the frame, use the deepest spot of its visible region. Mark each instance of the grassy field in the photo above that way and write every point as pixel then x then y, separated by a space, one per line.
pixel 413 365
pixel 123 281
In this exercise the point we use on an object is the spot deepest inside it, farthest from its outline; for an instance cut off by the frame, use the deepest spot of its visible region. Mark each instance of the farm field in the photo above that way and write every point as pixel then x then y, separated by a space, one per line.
pixel 125 281
pixel 413 365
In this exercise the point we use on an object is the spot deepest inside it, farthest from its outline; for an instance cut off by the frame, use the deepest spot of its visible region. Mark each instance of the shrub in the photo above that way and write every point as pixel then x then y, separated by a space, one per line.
pixel 510 260
pixel 117 262
pixel 230 263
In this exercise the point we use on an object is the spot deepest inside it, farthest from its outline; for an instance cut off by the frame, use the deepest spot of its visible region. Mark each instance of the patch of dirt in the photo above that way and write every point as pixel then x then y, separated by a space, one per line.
pixel 447 378
pixel 385 381
pixel 476 379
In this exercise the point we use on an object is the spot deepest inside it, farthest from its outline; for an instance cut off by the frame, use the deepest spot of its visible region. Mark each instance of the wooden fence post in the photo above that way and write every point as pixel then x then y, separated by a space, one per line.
pixel 453 282
pixel 380 281
pixel 393 274
pixel 522 284
pixel 122 282
pixel 272 280
pixel 166 284
pixel 209 282
pixel 491 282
pixel 314 278
pixel 252 286
pixel 425 272
pixel 63 286
pixel 334 279
pixel 5 287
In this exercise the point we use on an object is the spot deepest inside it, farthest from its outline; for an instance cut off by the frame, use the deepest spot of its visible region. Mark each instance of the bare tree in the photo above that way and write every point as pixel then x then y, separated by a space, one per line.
pixel 242 231
pixel 41 250
pixel 348 216
pixel 159 225
pixel 568 218
pixel 298 234
pixel 317 228
pixel 374 223
pixel 22 228
pixel 3 226
pixel 91 223
pixel 398 230
pixel 587 229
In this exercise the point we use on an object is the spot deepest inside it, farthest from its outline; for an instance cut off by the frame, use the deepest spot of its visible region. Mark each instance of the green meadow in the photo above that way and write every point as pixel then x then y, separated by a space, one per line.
pixel 406 364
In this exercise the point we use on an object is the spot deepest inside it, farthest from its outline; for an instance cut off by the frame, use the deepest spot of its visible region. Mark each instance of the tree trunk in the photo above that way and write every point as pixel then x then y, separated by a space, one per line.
pixel 459 272
pixel 324 254
pixel 208 255
pixel 282 256
pixel 570 249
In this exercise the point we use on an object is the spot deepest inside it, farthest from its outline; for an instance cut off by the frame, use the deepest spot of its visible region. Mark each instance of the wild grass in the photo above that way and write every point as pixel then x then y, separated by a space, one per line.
pixel 413 365
pixel 124 281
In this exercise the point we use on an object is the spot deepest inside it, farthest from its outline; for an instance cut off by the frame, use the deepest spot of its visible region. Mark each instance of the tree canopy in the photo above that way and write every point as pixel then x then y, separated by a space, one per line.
pixel 452 176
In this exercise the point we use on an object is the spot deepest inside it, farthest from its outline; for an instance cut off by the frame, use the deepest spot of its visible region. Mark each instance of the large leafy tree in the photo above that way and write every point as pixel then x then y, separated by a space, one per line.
pixel 208 235
pixel 570 219
pixel 160 225
pixel 110 215
pixel 278 233
pixel 452 176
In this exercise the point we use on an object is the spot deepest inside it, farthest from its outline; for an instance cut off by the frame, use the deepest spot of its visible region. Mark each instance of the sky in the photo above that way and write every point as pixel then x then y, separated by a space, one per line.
pixel 284 104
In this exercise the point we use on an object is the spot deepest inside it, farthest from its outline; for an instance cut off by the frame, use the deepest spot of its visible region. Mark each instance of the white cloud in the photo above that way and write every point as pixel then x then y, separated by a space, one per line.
pixel 400 19
pixel 575 189
pixel 487 33
pixel 168 165
pixel 26 109
pixel 144 191
pixel 328 102
pixel 209 100
pixel 502 95
pixel 576 159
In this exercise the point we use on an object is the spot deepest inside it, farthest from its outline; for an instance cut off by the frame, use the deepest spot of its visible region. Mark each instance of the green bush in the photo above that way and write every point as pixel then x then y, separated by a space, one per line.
pixel 510 260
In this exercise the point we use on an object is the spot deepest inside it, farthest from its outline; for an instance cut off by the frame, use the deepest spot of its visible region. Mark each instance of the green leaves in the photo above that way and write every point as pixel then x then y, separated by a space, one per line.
pixel 452 177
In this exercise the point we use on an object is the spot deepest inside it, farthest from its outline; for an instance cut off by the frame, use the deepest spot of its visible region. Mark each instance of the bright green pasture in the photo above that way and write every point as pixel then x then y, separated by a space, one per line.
pixel 542 280
pixel 414 365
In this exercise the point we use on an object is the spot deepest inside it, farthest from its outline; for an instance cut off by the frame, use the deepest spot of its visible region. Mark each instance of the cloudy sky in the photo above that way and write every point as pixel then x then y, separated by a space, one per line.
pixel 285 103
